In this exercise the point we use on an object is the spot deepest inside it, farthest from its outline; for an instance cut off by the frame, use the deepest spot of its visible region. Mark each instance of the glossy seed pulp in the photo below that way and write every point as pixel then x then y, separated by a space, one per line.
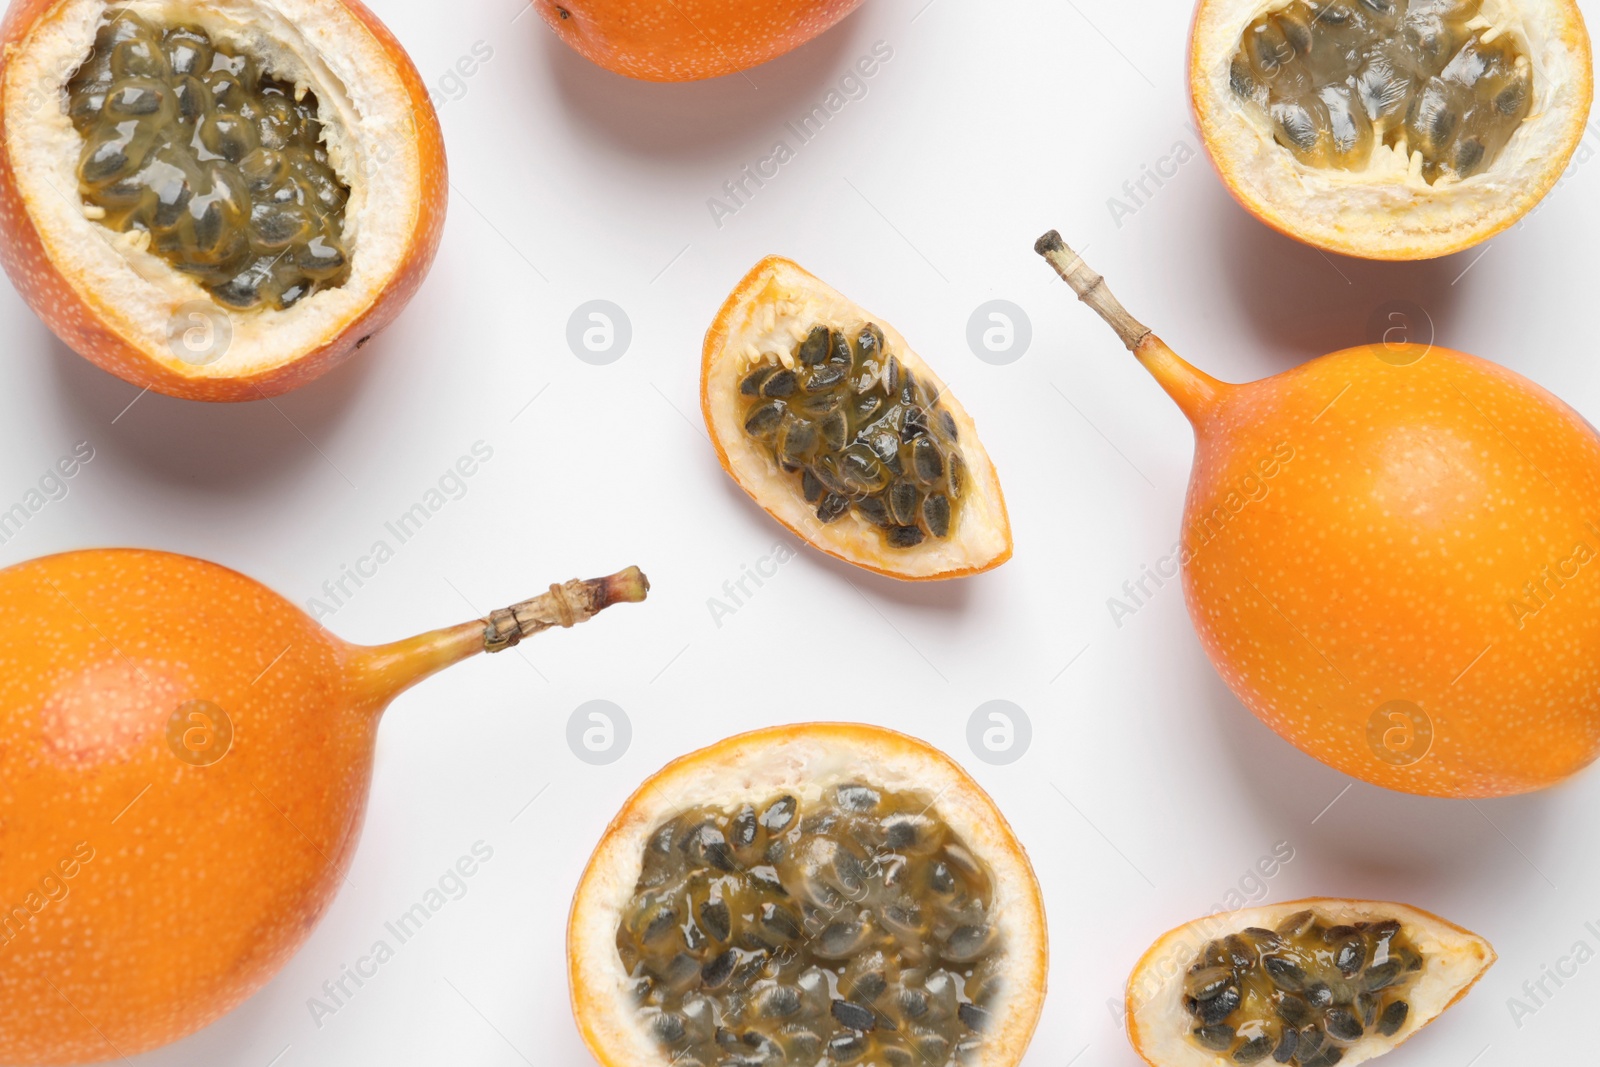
pixel 859 431
pixel 194 144
pixel 1336 78
pixel 853 930
pixel 1301 994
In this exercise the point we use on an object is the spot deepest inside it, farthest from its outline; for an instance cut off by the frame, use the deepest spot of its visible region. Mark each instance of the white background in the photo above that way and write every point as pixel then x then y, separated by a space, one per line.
pixel 1148 793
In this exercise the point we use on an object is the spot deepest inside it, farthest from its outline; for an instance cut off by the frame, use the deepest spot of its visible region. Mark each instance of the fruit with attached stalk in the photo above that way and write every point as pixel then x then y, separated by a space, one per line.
pixel 186 757
pixel 1390 555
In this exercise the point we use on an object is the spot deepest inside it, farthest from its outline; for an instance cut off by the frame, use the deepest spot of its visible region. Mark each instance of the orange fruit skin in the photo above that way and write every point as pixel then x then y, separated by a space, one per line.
pixel 1358 532
pixel 202 880
pixel 686 40
pixel 73 314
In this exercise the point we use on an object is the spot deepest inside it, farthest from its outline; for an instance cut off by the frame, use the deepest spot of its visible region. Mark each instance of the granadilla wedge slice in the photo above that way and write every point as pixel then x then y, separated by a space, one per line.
pixel 1312 983
pixel 1390 129
pixel 218 201
pixel 827 418
pixel 813 894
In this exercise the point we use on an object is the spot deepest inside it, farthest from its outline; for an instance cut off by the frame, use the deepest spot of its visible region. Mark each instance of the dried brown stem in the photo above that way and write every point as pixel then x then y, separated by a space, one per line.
pixel 564 605
pixel 1091 289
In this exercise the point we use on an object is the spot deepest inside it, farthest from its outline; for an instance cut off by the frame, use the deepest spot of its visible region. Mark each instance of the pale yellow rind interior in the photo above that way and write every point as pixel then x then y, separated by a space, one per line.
pixel 1388 210
pixel 370 134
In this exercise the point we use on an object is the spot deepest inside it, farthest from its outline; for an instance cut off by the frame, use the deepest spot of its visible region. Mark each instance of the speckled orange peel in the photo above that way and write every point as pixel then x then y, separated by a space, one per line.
pixel 687 40
pixel 1162 1028
pixel 124 307
pixel 1390 554
pixel 803 761
pixel 186 758
pixel 770 312
pixel 1377 202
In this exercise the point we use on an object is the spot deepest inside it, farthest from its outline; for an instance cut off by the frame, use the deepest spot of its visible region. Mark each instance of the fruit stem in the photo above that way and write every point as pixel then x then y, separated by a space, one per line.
pixel 1194 390
pixel 384 671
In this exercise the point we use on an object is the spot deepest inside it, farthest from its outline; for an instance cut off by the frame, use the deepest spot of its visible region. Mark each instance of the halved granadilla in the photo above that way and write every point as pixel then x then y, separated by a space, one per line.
pixel 217 201
pixel 811 894
pixel 1390 129
pixel 1312 983
pixel 824 415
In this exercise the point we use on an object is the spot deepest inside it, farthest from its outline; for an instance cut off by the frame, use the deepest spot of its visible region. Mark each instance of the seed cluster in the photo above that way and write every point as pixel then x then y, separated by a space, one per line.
pixel 1336 77
pixel 1303 993
pixel 194 144
pixel 861 432
pixel 857 930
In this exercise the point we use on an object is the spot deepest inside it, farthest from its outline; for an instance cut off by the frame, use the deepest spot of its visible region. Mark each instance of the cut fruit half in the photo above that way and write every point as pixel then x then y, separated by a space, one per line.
pixel 828 419
pixel 1310 983
pixel 214 200
pixel 1390 129
pixel 806 894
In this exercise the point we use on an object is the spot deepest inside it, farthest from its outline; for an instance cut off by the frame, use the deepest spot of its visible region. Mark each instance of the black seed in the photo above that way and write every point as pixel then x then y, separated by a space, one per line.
pixel 948 421
pixel 810 486
pixel 958 476
pixel 900 835
pixel 1394 1017
pixel 783 383
pixel 751 386
pixel 660 924
pixel 905 536
pixel 1208 982
pixel 824 378
pixel 781 1002
pixel 973 1016
pixel 1220 1006
pixel 669 1027
pixel 1319 996
pixel 780 920
pixel 706 847
pixel 779 815
pixel 1351 956
pixel 715 974
pixel 1291 1009
pixel 1381 975
pixel 1285 973
pixel 854 1016
pixel 867 407
pixel 913 1004
pixel 1287 1044
pixel 859 798
pixel 936 513
pixel 941 880
pixel 874 510
pixel 913 424
pixel 834 430
pixel 717 921
pixel 764 420
pixel 839 350
pixel 1342 1025
pixel 926 462
pixel 1219 1038
pixel 833 505
pixel 967 943
pixel 1367 1006
pixel 1253 1051
pixel 869 342
pixel 1469 154
pixel 847 1048
pixel 1297 924
pixel 814 349
pixel 1241 955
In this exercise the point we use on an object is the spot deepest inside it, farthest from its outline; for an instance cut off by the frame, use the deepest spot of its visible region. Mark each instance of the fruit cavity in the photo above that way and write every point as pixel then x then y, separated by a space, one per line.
pixel 853 928
pixel 219 166
pixel 859 431
pixel 1434 80
pixel 1302 993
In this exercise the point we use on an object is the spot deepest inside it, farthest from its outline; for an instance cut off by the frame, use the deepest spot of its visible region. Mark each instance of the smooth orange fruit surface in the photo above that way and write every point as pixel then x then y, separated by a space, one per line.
pixel 184 765
pixel 1392 556
pixel 686 40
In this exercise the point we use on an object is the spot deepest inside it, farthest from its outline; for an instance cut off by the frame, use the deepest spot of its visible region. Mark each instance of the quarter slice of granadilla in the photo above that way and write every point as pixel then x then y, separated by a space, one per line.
pixel 828 419
pixel 1312 983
